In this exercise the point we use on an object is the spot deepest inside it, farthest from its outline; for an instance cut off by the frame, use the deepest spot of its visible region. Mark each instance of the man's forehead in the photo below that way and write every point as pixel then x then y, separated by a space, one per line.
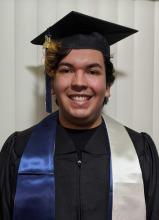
pixel 83 55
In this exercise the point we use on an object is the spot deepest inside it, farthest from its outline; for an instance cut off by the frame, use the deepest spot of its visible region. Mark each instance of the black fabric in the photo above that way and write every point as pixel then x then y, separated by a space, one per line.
pixel 81 193
pixel 149 162
pixel 94 181
pixel 75 23
pixel 93 40
pixel 80 137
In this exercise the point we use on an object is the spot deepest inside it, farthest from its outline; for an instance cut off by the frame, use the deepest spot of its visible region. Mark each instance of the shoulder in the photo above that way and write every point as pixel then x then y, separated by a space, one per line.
pixel 143 143
pixel 16 143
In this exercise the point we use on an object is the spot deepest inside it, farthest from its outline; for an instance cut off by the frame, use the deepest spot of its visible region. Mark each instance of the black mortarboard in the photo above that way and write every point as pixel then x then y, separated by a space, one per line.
pixel 80 31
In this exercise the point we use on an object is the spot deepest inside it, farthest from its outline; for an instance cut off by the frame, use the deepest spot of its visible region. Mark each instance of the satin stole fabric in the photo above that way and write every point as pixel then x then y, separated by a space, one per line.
pixel 35 192
pixel 128 188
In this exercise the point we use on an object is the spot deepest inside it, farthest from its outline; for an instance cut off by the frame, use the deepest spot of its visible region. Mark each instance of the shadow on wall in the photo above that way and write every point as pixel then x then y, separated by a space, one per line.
pixel 120 74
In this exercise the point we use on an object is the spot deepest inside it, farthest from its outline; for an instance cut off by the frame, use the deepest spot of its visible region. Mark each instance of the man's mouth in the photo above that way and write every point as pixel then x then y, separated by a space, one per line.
pixel 79 98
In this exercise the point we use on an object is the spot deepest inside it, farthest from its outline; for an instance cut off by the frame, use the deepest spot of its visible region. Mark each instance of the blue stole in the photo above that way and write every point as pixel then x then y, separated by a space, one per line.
pixel 35 192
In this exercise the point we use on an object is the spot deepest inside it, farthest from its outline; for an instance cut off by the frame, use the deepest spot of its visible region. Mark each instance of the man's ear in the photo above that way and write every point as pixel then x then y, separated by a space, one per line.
pixel 107 92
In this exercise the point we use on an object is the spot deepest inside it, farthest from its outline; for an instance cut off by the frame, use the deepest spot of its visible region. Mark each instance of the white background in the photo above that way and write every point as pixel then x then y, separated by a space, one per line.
pixel 135 94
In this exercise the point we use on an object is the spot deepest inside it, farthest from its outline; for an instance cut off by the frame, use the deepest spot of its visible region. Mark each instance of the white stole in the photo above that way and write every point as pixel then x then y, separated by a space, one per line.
pixel 128 189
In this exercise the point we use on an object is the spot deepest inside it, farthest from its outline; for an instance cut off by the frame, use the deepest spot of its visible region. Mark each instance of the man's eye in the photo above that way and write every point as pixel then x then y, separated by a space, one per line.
pixel 93 72
pixel 64 70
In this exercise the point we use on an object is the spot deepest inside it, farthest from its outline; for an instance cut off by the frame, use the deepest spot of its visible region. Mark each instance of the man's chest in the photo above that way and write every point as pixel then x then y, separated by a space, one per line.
pixel 82 190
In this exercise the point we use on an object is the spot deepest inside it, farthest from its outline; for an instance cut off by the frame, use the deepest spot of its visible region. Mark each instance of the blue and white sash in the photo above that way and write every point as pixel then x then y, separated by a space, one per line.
pixel 35 193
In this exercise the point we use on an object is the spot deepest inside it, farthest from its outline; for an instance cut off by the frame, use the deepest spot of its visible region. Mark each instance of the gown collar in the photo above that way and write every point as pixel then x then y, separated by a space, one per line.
pixel 97 144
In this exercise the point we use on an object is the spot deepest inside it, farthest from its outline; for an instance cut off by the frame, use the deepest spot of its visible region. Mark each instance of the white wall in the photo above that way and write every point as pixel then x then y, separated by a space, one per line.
pixel 135 94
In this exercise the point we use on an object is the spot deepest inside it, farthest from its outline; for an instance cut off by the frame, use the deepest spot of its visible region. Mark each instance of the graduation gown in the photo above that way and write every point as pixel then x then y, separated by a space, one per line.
pixel 82 190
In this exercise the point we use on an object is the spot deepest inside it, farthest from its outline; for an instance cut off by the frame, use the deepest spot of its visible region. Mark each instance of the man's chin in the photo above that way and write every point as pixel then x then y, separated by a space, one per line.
pixel 80 115
pixel 84 120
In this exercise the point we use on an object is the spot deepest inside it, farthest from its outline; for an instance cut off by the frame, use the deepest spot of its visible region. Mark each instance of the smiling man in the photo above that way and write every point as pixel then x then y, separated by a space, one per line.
pixel 80 87
pixel 77 163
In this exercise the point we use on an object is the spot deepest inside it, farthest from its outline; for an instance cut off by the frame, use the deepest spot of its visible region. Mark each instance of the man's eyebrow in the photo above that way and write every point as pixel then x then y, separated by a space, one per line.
pixel 65 64
pixel 94 65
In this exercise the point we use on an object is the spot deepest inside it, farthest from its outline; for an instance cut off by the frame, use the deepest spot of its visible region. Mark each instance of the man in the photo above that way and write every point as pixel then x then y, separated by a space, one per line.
pixel 78 164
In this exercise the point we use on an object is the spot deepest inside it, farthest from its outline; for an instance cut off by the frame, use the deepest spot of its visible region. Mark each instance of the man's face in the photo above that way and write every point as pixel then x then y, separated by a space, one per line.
pixel 80 88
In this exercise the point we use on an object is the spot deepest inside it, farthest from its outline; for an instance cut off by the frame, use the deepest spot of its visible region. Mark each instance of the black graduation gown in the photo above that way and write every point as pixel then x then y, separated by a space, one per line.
pixel 81 189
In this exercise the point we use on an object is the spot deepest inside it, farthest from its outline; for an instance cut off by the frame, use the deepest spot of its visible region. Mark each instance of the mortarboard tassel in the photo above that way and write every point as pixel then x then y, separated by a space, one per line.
pixel 48 99
pixel 48 96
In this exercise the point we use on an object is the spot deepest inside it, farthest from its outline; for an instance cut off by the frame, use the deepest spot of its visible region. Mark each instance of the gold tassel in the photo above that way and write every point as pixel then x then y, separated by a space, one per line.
pixel 47 42
pixel 50 44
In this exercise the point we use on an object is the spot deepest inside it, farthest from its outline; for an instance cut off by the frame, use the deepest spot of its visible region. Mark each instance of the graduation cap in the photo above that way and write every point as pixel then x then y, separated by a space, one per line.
pixel 80 31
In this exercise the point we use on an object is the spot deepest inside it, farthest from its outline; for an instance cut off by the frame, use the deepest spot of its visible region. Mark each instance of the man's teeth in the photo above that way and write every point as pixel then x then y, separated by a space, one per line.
pixel 79 98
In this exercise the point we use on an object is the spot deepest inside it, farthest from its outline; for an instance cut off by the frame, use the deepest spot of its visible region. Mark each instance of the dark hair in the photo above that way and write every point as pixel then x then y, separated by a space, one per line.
pixel 110 77
pixel 53 58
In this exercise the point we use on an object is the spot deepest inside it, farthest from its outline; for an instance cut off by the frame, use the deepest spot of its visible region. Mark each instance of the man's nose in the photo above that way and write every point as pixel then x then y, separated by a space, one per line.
pixel 79 80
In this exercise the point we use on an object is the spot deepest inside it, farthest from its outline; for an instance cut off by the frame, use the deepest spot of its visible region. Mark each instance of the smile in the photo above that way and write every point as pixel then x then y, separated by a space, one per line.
pixel 79 98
